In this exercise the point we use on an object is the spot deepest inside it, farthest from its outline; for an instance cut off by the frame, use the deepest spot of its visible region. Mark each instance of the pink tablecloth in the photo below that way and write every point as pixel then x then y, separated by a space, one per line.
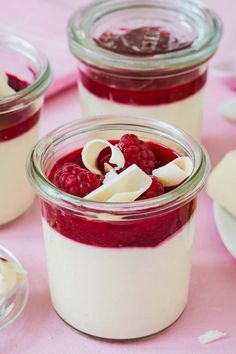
pixel 212 298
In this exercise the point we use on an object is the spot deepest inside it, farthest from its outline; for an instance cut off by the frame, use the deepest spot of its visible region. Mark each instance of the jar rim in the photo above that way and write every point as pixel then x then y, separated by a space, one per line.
pixel 42 82
pixel 207 23
pixel 178 196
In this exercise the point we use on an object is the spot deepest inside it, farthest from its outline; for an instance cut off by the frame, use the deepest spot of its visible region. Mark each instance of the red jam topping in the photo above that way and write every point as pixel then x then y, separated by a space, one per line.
pixel 128 233
pixel 142 41
pixel 16 123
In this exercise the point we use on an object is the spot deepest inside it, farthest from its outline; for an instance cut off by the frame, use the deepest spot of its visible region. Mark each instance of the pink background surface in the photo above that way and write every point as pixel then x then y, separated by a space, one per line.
pixel 212 298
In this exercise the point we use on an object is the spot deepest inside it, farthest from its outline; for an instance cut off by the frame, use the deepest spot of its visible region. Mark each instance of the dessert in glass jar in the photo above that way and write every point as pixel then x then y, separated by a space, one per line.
pixel 24 77
pixel 118 197
pixel 145 58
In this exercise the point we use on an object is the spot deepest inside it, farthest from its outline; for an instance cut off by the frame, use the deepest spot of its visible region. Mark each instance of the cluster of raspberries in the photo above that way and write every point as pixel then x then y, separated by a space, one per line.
pixel 75 179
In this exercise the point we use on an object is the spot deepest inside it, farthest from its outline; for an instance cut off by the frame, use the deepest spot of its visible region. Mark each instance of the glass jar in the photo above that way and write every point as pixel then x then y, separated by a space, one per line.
pixel 145 58
pixel 29 74
pixel 117 270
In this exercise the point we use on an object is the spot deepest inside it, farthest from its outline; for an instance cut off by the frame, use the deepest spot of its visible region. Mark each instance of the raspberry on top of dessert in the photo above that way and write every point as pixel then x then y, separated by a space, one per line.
pixel 158 167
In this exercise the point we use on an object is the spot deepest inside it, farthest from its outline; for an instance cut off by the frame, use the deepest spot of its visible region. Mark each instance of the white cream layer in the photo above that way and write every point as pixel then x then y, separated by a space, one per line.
pixel 16 195
pixel 185 114
pixel 119 293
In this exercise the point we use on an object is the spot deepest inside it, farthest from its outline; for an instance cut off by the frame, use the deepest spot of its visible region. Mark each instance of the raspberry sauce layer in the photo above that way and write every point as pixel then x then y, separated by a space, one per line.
pixel 14 124
pixel 116 234
pixel 143 91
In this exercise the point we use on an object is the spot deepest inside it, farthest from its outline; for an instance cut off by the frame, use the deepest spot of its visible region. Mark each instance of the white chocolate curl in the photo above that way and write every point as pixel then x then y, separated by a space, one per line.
pixel 92 150
pixel 174 172
pixel 10 277
pixel 125 187
pixel 5 89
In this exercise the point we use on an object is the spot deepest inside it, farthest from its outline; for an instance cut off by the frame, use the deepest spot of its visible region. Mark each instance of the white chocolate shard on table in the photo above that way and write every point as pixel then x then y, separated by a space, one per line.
pixel 221 184
pixel 211 336
pixel 228 109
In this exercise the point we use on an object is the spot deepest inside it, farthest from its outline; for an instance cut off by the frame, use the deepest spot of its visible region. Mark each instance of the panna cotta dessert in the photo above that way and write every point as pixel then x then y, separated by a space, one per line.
pixel 24 76
pixel 145 59
pixel 118 205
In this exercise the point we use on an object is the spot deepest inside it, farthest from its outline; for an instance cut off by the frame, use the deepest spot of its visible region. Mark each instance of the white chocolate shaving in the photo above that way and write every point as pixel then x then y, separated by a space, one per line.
pixel 174 172
pixel 129 185
pixel 92 150
pixel 211 336
pixel 5 89
pixel 10 277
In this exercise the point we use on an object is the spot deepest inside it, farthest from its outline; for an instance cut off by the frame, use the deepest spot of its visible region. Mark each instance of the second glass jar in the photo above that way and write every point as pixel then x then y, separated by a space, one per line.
pixel 145 59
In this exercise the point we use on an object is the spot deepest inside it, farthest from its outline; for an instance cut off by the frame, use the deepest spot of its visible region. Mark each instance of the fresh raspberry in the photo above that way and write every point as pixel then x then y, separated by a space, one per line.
pixel 155 189
pixel 137 152
pixel 75 180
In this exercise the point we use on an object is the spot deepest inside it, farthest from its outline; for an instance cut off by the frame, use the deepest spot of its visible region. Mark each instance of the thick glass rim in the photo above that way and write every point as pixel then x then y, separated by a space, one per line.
pixel 40 85
pixel 182 194
pixel 208 24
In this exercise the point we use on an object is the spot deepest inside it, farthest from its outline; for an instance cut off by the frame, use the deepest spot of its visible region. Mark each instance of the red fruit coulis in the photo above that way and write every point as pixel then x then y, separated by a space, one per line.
pixel 130 233
pixel 142 41
pixel 138 90
pixel 14 124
